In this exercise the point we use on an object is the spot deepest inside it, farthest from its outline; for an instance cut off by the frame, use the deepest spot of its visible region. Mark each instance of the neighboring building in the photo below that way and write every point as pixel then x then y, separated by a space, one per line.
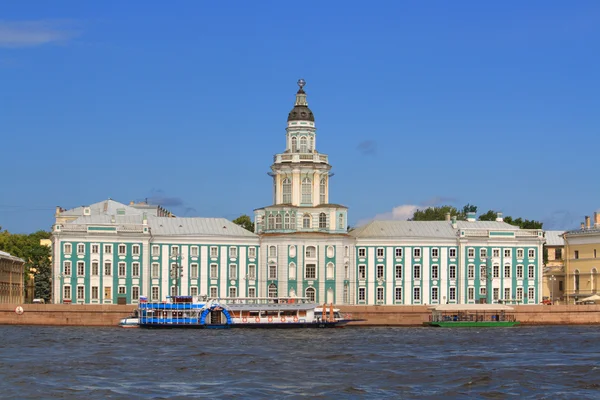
pixel 582 262
pixel 11 279
pixel 554 268
pixel 110 252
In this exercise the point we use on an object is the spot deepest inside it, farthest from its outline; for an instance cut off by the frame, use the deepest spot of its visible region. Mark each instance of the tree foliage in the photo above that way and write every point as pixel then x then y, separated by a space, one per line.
pixel 36 256
pixel 491 215
pixel 245 222
pixel 439 214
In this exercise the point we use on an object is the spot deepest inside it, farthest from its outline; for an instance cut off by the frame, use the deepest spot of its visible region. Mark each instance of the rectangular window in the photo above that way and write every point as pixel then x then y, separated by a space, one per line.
pixel 122 268
pixel 417 253
pixel 154 293
pixel 452 294
pixel 470 252
pixel 68 249
pixel 67 292
pixel 482 291
pixel 531 253
pixel 496 271
pixel 417 294
pixel 95 292
pixel 496 292
pixel 379 252
pixel 398 295
pixel 80 268
pixel 576 254
pixel 272 271
pixel 435 272
pixel 362 272
pixel 496 253
pixel 272 251
pixel 471 271
pixel 95 248
pixel 107 269
pixel 252 252
pixel 233 252
pixel 135 250
pixel 520 293
pixel 194 271
pixel 108 248
pixel 122 249
pixel 434 294
pixel 214 271
pixel 417 272
pixel 122 290
pixel 435 253
pixel 213 292
pixel 81 249
pixel 232 271
pixel 398 252
pixel 252 272
pixel 251 292
pixel 194 251
pixel 507 253
pixel 135 269
pixel 471 293
pixel 531 271
pixel 507 271
pixel 80 293
pixel 452 272
pixel 174 251
pixel 362 252
pixel 214 251
pixel 379 294
pixel 507 294
pixel 232 291
pixel 95 268
pixel 154 272
pixel 311 271
pixel 398 271
pixel 519 272
pixel 452 253
pixel 135 293
pixel 380 272
pixel 519 253
pixel 531 294
pixel 482 253
pixel 155 251
pixel 361 294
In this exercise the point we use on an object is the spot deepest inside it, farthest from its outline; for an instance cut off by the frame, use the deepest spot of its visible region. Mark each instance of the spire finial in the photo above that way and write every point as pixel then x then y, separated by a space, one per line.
pixel 301 83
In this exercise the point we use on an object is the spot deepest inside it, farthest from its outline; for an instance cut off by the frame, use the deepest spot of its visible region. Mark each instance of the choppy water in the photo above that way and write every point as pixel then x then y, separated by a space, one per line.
pixel 97 363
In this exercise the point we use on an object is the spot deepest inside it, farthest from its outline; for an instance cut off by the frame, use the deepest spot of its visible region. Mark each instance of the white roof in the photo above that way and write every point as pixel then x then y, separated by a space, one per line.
pixel 4 254
pixel 472 307
pixel 104 207
pixel 554 238
pixel 437 229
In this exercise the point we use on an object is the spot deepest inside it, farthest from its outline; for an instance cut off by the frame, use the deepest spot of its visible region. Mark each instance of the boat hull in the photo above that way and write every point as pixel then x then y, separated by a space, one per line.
pixel 472 324
pixel 298 325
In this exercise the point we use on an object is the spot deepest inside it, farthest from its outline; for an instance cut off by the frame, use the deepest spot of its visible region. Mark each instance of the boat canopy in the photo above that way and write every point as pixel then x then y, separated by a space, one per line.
pixel 472 307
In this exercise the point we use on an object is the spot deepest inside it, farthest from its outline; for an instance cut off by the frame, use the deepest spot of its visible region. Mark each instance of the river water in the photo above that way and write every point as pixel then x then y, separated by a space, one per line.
pixel 558 362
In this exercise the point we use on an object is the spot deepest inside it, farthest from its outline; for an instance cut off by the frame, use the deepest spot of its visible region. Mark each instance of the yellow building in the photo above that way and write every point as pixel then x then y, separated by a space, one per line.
pixel 553 282
pixel 582 248
pixel 11 279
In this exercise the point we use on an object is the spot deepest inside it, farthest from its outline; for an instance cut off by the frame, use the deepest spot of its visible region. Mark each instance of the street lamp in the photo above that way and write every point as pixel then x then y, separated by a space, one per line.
pixel 552 279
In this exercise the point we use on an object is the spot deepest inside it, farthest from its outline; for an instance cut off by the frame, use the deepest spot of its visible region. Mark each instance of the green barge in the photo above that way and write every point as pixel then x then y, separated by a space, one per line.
pixel 472 316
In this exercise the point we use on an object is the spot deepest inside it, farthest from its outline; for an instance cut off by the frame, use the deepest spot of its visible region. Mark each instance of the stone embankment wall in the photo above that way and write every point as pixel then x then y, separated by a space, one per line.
pixel 109 315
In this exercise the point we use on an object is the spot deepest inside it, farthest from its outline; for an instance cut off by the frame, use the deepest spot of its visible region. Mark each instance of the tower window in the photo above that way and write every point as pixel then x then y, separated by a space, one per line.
pixel 322 220
pixel 306 221
pixel 322 191
pixel 294 144
pixel 303 145
pixel 306 191
pixel 287 191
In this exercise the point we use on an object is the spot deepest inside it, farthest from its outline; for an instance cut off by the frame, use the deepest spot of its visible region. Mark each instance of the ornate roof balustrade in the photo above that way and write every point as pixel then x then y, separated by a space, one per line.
pixel 301 157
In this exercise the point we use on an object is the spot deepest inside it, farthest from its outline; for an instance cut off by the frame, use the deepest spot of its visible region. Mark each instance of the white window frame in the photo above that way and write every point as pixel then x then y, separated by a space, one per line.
pixel 194 268
pixel 194 251
pixel 155 251
pixel 452 253
pixel 214 252
pixel 417 252
pixel 398 252
pixel 155 270
pixel 135 269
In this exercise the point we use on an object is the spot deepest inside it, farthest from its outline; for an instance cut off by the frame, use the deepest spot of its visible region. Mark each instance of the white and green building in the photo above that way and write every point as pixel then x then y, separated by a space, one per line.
pixel 109 252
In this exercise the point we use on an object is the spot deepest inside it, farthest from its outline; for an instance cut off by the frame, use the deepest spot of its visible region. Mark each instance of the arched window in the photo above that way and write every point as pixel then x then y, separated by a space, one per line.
pixel 271 222
pixel 294 144
pixel 287 191
pixel 311 252
pixel 310 293
pixel 311 146
pixel 292 292
pixel 322 220
pixel 576 279
pixel 330 270
pixel 303 145
pixel 330 251
pixel 322 191
pixel 346 272
pixel 292 272
pixel 286 221
pixel 278 221
pixel 306 191
pixel 341 221
pixel 293 221
pixel 272 290
pixel 306 221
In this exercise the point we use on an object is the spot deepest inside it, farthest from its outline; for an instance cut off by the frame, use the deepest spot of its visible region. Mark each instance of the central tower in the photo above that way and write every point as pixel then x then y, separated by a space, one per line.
pixel 301 181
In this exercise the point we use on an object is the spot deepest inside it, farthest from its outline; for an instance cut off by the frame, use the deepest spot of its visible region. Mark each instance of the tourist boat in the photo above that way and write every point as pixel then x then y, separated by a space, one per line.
pixel 131 321
pixel 472 315
pixel 238 312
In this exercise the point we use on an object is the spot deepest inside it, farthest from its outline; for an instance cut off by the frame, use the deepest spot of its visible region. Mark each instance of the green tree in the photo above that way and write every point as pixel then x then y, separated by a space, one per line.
pixel 491 215
pixel 439 213
pixel 245 222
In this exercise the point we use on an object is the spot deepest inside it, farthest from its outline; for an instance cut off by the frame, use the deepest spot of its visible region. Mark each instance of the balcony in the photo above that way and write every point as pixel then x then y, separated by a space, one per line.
pixel 301 157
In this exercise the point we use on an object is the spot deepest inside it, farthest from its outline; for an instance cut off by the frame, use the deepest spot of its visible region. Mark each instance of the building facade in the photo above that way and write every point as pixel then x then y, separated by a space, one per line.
pixel 554 267
pixel 582 262
pixel 114 253
pixel 11 279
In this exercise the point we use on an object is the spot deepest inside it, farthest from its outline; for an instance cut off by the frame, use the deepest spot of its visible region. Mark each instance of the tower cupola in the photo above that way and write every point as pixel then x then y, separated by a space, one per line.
pixel 301 112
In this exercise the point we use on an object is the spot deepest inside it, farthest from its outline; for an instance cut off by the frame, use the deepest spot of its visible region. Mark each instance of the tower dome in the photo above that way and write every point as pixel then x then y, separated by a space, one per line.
pixel 301 112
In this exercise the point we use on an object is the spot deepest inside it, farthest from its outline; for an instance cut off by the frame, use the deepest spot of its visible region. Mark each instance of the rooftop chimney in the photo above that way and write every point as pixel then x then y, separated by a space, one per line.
pixel 448 216
pixel 58 211
pixel 471 216
pixel 454 221
pixel 596 220
pixel 499 217
pixel 587 222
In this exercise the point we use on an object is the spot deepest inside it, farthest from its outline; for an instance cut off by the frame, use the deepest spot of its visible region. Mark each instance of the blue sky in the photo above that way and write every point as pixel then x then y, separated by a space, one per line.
pixel 416 104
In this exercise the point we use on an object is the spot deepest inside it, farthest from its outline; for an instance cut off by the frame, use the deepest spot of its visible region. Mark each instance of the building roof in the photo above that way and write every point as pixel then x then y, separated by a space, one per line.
pixel 554 238
pixel 486 225
pixel 4 254
pixel 104 207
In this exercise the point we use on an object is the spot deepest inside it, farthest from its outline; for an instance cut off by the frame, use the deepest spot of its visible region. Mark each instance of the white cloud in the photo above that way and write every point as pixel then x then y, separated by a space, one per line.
pixel 399 213
pixel 14 34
